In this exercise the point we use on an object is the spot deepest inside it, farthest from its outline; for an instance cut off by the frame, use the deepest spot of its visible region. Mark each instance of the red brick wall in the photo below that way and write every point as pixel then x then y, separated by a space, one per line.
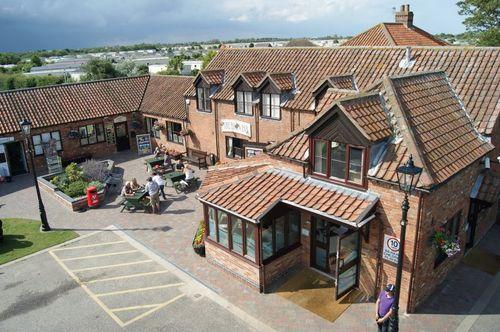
pixel 282 265
pixel 203 126
pixel 163 136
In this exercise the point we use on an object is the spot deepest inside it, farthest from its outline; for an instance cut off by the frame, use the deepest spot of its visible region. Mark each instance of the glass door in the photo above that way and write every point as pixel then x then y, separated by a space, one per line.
pixel 347 263
pixel 325 247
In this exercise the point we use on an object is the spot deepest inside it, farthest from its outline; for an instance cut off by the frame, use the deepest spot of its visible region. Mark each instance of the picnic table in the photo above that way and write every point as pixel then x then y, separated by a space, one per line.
pixel 173 177
pixel 135 202
pixel 152 162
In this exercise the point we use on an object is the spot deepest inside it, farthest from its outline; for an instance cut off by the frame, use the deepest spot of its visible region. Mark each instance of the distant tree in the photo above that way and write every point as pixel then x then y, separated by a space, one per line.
pixel 126 68
pixel 169 71
pixel 208 57
pixel 97 69
pixel 482 22
pixel 251 45
pixel 194 72
pixel 142 70
pixel 36 61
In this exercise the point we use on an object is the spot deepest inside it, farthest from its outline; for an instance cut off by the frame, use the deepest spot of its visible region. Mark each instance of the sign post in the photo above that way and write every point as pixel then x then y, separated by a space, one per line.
pixel 144 144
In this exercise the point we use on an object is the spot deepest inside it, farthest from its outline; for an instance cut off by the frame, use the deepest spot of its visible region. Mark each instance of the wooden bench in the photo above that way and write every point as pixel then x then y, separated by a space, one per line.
pixel 196 157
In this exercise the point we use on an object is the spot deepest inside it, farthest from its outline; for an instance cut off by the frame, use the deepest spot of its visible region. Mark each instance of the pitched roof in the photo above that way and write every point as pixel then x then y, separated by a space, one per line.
pixel 300 42
pixel 223 175
pixel 394 34
pixel 164 96
pixel 472 71
pixel 254 78
pixel 213 76
pixel 283 81
pixel 58 104
pixel 253 196
pixel 295 147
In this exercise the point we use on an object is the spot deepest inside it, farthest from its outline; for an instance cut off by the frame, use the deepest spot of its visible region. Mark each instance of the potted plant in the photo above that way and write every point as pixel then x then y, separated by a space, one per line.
pixel 199 239
pixel 445 244
pixel 186 132
pixel 73 133
pixel 157 126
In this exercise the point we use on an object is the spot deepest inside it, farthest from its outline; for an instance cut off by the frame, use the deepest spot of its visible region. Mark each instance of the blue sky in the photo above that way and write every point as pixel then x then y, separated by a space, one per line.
pixel 52 24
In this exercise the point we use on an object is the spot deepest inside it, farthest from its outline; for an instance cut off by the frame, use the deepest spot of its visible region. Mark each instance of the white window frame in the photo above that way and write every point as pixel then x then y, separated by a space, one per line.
pixel 42 138
pixel 271 106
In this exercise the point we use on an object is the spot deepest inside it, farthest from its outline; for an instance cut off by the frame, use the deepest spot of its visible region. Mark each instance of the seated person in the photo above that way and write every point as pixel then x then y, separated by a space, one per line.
pixel 167 161
pixel 127 190
pixel 188 176
pixel 180 166
pixel 135 185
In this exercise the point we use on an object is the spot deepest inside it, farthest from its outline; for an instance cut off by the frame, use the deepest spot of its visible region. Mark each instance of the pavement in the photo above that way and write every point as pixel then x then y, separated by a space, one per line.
pixel 168 237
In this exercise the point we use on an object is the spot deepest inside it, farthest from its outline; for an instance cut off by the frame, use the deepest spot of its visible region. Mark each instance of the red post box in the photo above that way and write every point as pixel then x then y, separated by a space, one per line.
pixel 92 197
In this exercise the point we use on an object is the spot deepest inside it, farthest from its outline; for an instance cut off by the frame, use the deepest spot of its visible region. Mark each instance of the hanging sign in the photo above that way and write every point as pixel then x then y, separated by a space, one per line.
pixel 390 251
pixel 144 144
pixel 235 126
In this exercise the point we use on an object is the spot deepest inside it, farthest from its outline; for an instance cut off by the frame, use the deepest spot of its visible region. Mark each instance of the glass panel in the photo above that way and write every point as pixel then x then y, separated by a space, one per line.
pixel 267 240
pixel 320 257
pixel 38 149
pixel 320 157
pixel 294 228
pixel 229 146
pixel 100 132
pixel 211 223
pixel 266 106
pixel 250 237
pixel 347 279
pixel 348 249
pixel 223 226
pixel 275 102
pixel 321 232
pixel 206 96
pixel 200 98
pixel 280 232
pixel 83 131
pixel 58 146
pixel 338 160
pixel 239 102
pixel 36 139
pixel 45 137
pixel 355 161
pixel 237 235
pixel 55 135
pixel 248 102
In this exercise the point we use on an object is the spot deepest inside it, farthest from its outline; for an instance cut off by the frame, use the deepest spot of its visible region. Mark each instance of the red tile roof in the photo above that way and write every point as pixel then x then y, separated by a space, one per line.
pixel 394 34
pixel 164 96
pixel 253 196
pixel 295 147
pixel 284 81
pixel 58 104
pixel 213 76
pixel 223 175
pixel 472 71
pixel 254 78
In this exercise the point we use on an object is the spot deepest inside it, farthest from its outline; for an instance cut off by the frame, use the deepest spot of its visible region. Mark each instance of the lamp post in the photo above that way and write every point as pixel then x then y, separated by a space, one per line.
pixel 407 179
pixel 26 129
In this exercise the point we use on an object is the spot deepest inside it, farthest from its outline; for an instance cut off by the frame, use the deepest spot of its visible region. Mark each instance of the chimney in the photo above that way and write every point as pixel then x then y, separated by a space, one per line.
pixel 405 16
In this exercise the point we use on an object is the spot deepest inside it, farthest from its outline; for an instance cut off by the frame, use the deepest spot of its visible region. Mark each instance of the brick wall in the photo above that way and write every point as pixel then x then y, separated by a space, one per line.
pixel 203 126
pixel 282 265
pixel 163 136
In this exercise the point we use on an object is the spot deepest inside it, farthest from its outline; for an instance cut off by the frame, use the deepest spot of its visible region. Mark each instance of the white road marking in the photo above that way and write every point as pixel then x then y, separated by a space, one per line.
pixel 154 309
pixel 126 291
pixel 99 255
pixel 126 276
pixel 114 265
pixel 90 245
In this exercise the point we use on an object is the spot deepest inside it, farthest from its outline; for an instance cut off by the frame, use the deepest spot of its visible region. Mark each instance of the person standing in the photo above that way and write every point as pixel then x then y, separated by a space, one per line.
pixel 153 190
pixel 384 307
pixel 167 161
pixel 161 183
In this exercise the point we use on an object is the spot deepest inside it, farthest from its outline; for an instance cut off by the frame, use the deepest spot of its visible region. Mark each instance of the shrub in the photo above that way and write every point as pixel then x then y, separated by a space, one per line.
pixel 60 181
pixel 73 172
pixel 99 185
pixel 94 170
pixel 200 233
pixel 76 189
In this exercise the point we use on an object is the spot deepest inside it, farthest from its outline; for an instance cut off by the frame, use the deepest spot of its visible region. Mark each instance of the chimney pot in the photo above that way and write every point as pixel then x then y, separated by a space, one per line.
pixel 405 16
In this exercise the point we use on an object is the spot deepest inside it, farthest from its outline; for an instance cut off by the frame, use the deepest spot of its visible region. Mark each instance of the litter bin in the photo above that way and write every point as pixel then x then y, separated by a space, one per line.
pixel 92 197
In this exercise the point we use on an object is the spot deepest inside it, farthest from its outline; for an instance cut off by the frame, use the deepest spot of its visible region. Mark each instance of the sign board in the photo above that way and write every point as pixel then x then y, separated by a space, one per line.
pixel 119 119
pixel 144 144
pixel 110 133
pixel 305 232
pixel 390 251
pixel 235 126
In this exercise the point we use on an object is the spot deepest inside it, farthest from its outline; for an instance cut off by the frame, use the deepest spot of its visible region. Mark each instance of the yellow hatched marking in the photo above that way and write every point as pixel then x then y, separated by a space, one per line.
pixel 136 307
pixel 153 310
pixel 125 276
pixel 99 255
pixel 114 265
pixel 90 245
pixel 139 289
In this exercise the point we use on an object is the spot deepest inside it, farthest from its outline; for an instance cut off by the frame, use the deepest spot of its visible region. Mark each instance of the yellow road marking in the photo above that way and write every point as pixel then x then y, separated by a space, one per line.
pixel 126 276
pixel 136 307
pixel 153 310
pixel 114 265
pixel 139 289
pixel 89 245
pixel 88 291
pixel 100 255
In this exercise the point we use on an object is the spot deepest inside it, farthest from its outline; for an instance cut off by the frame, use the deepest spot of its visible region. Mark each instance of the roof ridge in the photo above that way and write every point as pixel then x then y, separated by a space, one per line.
pixel 387 34
pixel 176 76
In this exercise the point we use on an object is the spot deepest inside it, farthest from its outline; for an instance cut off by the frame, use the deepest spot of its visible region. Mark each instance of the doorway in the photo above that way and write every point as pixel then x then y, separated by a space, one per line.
pixel 335 251
pixel 14 152
pixel 121 134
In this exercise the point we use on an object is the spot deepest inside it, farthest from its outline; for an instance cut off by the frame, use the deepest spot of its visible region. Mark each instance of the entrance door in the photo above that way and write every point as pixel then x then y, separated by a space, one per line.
pixel 121 134
pixel 324 247
pixel 15 158
pixel 347 263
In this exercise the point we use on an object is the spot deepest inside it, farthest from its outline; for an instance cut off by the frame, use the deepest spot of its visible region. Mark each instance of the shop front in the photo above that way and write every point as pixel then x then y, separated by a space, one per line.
pixel 12 159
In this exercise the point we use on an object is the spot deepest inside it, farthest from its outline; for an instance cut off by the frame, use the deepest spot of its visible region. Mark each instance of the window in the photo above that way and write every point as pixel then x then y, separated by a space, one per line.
pixel 203 98
pixel 150 123
pixel 355 165
pixel 244 102
pixel 234 147
pixel 452 226
pixel 320 157
pixel 267 239
pixel 271 106
pixel 294 227
pixel 250 241
pixel 211 224
pixel 222 227
pixel 280 234
pixel 91 134
pixel 338 160
pixel 174 132
pixel 43 139
pixel 237 235
pixel 250 152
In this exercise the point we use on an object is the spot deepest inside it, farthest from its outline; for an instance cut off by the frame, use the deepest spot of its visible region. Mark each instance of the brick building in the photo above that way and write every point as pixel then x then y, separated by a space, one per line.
pixel 327 197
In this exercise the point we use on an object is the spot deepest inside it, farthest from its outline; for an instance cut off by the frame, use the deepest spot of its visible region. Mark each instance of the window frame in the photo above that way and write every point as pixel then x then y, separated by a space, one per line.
pixel 87 137
pixel 270 99
pixel 244 103
pixel 288 247
pixel 42 142
pixel 150 121
pixel 176 137
pixel 233 155
pixel 204 99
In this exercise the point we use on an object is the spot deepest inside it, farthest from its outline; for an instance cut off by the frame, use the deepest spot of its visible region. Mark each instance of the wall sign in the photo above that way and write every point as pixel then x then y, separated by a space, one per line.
pixel 305 232
pixel 235 126
pixel 110 134
pixel 119 119
pixel 390 251
pixel 144 144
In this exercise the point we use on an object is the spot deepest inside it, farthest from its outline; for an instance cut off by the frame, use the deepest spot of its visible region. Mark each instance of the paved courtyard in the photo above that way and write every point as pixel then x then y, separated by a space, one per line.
pixel 168 238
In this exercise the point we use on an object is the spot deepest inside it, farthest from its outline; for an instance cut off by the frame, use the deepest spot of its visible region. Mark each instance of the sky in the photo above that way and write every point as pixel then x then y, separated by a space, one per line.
pixel 56 24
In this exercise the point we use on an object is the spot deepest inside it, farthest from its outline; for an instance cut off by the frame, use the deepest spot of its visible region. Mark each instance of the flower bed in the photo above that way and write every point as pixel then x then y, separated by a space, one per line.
pixel 199 239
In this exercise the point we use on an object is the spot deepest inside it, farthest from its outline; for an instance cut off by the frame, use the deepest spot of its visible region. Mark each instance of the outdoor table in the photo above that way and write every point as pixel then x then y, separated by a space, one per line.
pixel 173 177
pixel 135 201
pixel 152 162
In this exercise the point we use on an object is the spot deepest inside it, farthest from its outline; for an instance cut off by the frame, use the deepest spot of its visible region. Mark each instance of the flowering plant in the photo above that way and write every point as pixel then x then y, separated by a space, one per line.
pixel 157 126
pixel 445 243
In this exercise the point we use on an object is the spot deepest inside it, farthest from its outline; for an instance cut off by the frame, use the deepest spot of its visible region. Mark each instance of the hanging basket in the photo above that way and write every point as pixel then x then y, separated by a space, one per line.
pixel 74 134
pixel 186 132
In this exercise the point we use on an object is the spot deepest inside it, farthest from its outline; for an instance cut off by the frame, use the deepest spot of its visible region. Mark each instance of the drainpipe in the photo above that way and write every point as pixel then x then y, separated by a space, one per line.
pixel 415 253
pixel 216 116
pixel 379 257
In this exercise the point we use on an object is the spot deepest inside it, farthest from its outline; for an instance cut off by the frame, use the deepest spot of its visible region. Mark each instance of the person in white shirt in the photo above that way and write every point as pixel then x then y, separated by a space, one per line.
pixel 153 190
pixel 188 173
pixel 161 183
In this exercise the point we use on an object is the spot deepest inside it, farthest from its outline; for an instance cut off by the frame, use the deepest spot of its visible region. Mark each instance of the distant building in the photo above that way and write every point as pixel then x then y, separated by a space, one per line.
pixel 189 65
pixel 71 68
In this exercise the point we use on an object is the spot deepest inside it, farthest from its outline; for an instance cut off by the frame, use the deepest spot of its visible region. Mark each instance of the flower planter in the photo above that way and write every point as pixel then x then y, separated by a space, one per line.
pixel 199 239
pixel 200 250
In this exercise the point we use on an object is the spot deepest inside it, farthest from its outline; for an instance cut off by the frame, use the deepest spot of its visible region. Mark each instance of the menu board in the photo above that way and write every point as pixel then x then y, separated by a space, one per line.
pixel 144 144
pixel 110 134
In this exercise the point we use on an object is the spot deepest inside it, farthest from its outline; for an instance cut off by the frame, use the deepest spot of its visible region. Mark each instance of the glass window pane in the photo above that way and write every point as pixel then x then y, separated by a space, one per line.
pixel 320 157
pixel 45 137
pixel 211 223
pixel 200 98
pixel 239 102
pixel 83 131
pixel 266 105
pixel 248 102
pixel 355 167
pixel 267 240
pixel 348 249
pixel 237 235
pixel 338 160
pixel 229 146
pixel 84 141
pixel 223 227
pixel 294 228
pixel 250 237
pixel 347 279
pixel 58 146
pixel 36 139
pixel 55 135
pixel 38 149
pixel 280 232
pixel 275 106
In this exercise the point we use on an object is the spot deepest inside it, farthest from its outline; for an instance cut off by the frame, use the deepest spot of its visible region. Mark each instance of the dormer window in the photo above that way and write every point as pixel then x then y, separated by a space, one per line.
pixel 244 102
pixel 271 106
pixel 203 99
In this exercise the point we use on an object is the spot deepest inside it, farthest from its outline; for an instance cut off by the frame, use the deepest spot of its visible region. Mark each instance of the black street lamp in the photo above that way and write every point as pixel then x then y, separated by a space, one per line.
pixel 25 130
pixel 407 179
